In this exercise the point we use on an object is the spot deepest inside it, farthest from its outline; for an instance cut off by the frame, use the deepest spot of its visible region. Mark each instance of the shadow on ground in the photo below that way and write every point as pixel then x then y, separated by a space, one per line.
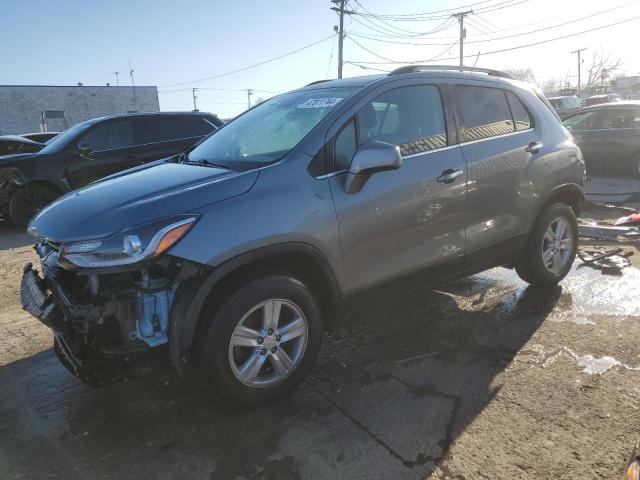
pixel 12 236
pixel 388 396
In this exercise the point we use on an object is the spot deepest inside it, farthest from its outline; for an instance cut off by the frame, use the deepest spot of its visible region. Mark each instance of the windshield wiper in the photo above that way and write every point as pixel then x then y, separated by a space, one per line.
pixel 204 162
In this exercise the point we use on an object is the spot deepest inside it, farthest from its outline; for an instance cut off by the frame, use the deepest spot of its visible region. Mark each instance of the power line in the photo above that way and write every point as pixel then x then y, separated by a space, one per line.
pixel 551 27
pixel 519 46
pixel 434 11
pixel 417 18
pixel 333 46
pixel 250 66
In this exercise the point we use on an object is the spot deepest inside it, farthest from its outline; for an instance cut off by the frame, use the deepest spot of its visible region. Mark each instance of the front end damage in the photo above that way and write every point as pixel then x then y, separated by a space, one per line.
pixel 104 322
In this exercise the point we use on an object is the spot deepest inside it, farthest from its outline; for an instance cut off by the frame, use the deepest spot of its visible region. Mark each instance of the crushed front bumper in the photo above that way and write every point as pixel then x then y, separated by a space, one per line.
pixel 47 303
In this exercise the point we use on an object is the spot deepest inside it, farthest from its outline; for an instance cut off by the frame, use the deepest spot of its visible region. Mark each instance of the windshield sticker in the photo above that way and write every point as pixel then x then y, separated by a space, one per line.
pixel 319 103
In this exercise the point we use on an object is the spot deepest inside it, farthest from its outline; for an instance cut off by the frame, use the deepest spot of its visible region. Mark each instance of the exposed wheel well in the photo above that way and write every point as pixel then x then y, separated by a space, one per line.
pixel 570 195
pixel 300 265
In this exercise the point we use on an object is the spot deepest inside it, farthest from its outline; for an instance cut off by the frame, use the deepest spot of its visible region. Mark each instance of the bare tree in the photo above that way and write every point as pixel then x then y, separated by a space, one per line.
pixel 552 86
pixel 603 65
pixel 522 74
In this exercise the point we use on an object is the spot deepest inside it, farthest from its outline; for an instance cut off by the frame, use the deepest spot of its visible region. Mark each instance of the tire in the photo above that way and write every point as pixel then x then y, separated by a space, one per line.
pixel 228 369
pixel 539 266
pixel 28 201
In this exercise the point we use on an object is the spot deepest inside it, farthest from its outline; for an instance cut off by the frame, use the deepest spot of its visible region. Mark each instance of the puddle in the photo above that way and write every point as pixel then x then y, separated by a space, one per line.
pixel 590 365
pixel 586 292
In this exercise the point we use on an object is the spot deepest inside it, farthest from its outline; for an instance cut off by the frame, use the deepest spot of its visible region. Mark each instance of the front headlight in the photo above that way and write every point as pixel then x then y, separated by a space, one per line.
pixel 128 246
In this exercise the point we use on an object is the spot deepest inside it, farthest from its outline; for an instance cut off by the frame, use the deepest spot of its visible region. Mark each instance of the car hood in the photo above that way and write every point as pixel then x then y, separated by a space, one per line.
pixel 8 160
pixel 142 196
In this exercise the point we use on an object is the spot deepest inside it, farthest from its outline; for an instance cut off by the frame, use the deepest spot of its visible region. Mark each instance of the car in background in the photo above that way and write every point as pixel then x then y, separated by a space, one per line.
pixel 92 150
pixel 12 144
pixel 606 98
pixel 42 137
pixel 566 104
pixel 609 137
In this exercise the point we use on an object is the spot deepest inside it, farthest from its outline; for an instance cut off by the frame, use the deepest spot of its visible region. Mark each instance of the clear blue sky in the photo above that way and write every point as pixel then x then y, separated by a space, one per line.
pixel 68 41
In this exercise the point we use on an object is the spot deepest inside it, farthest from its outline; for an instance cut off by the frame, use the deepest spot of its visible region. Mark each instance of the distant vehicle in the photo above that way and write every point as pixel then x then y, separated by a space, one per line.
pixel 42 137
pixel 565 104
pixel 239 254
pixel 12 144
pixel 92 150
pixel 606 98
pixel 609 136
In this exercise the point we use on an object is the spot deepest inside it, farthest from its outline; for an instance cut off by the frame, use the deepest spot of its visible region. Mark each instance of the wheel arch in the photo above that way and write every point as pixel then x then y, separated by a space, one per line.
pixel 298 259
pixel 569 193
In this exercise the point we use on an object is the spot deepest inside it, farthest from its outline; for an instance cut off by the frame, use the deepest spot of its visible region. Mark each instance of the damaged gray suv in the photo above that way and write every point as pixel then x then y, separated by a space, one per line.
pixel 237 256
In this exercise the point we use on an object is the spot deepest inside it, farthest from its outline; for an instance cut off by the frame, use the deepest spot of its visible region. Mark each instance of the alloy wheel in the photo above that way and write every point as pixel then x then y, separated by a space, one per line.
pixel 557 246
pixel 268 343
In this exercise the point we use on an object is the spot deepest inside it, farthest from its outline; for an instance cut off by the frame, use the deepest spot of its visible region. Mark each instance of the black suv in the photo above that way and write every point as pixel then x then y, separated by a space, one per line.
pixel 92 150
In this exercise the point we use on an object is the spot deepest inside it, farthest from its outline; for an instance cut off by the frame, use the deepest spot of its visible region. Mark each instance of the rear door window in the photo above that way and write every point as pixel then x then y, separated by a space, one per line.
pixel 161 128
pixel 410 117
pixel 616 118
pixel 521 117
pixel 194 126
pixel 485 112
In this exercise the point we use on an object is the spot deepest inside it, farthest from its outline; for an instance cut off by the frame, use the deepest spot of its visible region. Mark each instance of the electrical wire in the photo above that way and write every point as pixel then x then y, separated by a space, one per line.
pixel 514 35
pixel 242 69
pixel 333 46
pixel 416 18
pixel 541 42
pixel 453 9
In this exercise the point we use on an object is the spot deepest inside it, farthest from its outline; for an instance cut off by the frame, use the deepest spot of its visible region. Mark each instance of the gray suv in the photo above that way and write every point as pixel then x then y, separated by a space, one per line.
pixel 237 256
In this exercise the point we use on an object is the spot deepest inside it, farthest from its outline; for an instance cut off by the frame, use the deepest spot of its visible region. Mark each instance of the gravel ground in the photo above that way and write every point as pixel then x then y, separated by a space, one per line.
pixel 484 378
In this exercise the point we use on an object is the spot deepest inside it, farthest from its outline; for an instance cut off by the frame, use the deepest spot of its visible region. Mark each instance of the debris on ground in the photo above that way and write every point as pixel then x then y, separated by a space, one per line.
pixel 610 262
pixel 592 229
pixel 629 220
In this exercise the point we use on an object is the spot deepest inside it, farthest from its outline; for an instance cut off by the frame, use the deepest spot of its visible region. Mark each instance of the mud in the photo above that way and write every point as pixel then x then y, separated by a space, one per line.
pixel 484 378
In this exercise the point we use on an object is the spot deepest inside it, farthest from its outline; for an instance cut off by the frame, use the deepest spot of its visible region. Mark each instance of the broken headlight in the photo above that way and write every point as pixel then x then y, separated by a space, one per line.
pixel 128 246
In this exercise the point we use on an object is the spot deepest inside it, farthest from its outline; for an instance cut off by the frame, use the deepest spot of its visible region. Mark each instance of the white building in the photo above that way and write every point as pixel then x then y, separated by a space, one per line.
pixel 34 108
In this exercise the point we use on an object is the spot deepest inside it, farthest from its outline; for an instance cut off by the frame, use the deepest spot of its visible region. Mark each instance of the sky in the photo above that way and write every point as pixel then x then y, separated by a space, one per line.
pixel 172 44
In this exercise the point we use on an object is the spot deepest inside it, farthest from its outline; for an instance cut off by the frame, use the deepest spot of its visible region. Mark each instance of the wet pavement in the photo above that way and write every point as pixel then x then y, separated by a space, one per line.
pixel 485 378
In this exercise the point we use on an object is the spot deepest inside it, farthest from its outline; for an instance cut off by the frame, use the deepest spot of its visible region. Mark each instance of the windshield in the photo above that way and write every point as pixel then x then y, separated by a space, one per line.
pixel 269 131
pixel 60 141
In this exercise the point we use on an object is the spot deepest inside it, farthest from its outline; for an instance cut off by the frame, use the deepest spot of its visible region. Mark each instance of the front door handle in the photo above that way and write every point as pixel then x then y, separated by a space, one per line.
pixel 449 175
pixel 534 147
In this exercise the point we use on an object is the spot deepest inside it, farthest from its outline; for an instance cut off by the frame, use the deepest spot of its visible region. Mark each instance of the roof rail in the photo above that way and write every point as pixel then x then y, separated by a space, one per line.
pixel 318 81
pixel 424 68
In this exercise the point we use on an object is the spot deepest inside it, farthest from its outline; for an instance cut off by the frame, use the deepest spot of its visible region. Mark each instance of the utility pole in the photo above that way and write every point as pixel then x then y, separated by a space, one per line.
pixel 116 73
pixel 193 92
pixel 249 93
pixel 579 51
pixel 341 11
pixel 460 16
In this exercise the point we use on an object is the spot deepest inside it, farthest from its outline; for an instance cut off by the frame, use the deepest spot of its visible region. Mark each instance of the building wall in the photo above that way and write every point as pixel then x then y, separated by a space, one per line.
pixel 21 106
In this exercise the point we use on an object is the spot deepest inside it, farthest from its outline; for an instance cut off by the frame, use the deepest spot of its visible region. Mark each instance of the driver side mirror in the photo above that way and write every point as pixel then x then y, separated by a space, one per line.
pixel 84 149
pixel 370 158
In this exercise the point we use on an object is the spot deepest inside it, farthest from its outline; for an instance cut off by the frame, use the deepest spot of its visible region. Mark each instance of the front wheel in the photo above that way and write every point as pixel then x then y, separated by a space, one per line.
pixel 552 247
pixel 28 201
pixel 261 342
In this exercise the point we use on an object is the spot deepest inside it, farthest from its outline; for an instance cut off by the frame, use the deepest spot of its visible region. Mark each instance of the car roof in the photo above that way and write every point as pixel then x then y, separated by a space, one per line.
pixel 434 72
pixel 605 106
pixel 18 138
pixel 149 114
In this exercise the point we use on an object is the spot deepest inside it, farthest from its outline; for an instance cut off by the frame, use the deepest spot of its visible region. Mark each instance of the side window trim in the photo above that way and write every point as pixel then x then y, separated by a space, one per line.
pixel 532 122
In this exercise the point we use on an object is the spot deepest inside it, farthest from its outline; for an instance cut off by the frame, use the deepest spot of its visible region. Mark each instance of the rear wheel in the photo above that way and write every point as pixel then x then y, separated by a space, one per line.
pixel 28 201
pixel 261 341
pixel 552 247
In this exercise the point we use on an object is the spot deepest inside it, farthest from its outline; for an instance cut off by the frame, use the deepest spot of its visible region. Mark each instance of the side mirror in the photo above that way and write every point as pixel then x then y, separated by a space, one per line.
pixel 370 158
pixel 84 148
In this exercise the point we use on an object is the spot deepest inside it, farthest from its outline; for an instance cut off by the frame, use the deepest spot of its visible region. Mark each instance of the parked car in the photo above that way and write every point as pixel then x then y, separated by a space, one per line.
pixel 12 144
pixel 42 137
pixel 564 105
pixel 598 99
pixel 241 253
pixel 92 150
pixel 609 137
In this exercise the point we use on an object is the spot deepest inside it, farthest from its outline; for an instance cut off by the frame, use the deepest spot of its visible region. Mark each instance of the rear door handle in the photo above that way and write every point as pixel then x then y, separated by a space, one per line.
pixel 449 175
pixel 534 147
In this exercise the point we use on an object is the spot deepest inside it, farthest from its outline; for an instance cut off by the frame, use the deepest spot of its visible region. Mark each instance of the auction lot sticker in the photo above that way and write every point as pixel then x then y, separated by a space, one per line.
pixel 319 102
